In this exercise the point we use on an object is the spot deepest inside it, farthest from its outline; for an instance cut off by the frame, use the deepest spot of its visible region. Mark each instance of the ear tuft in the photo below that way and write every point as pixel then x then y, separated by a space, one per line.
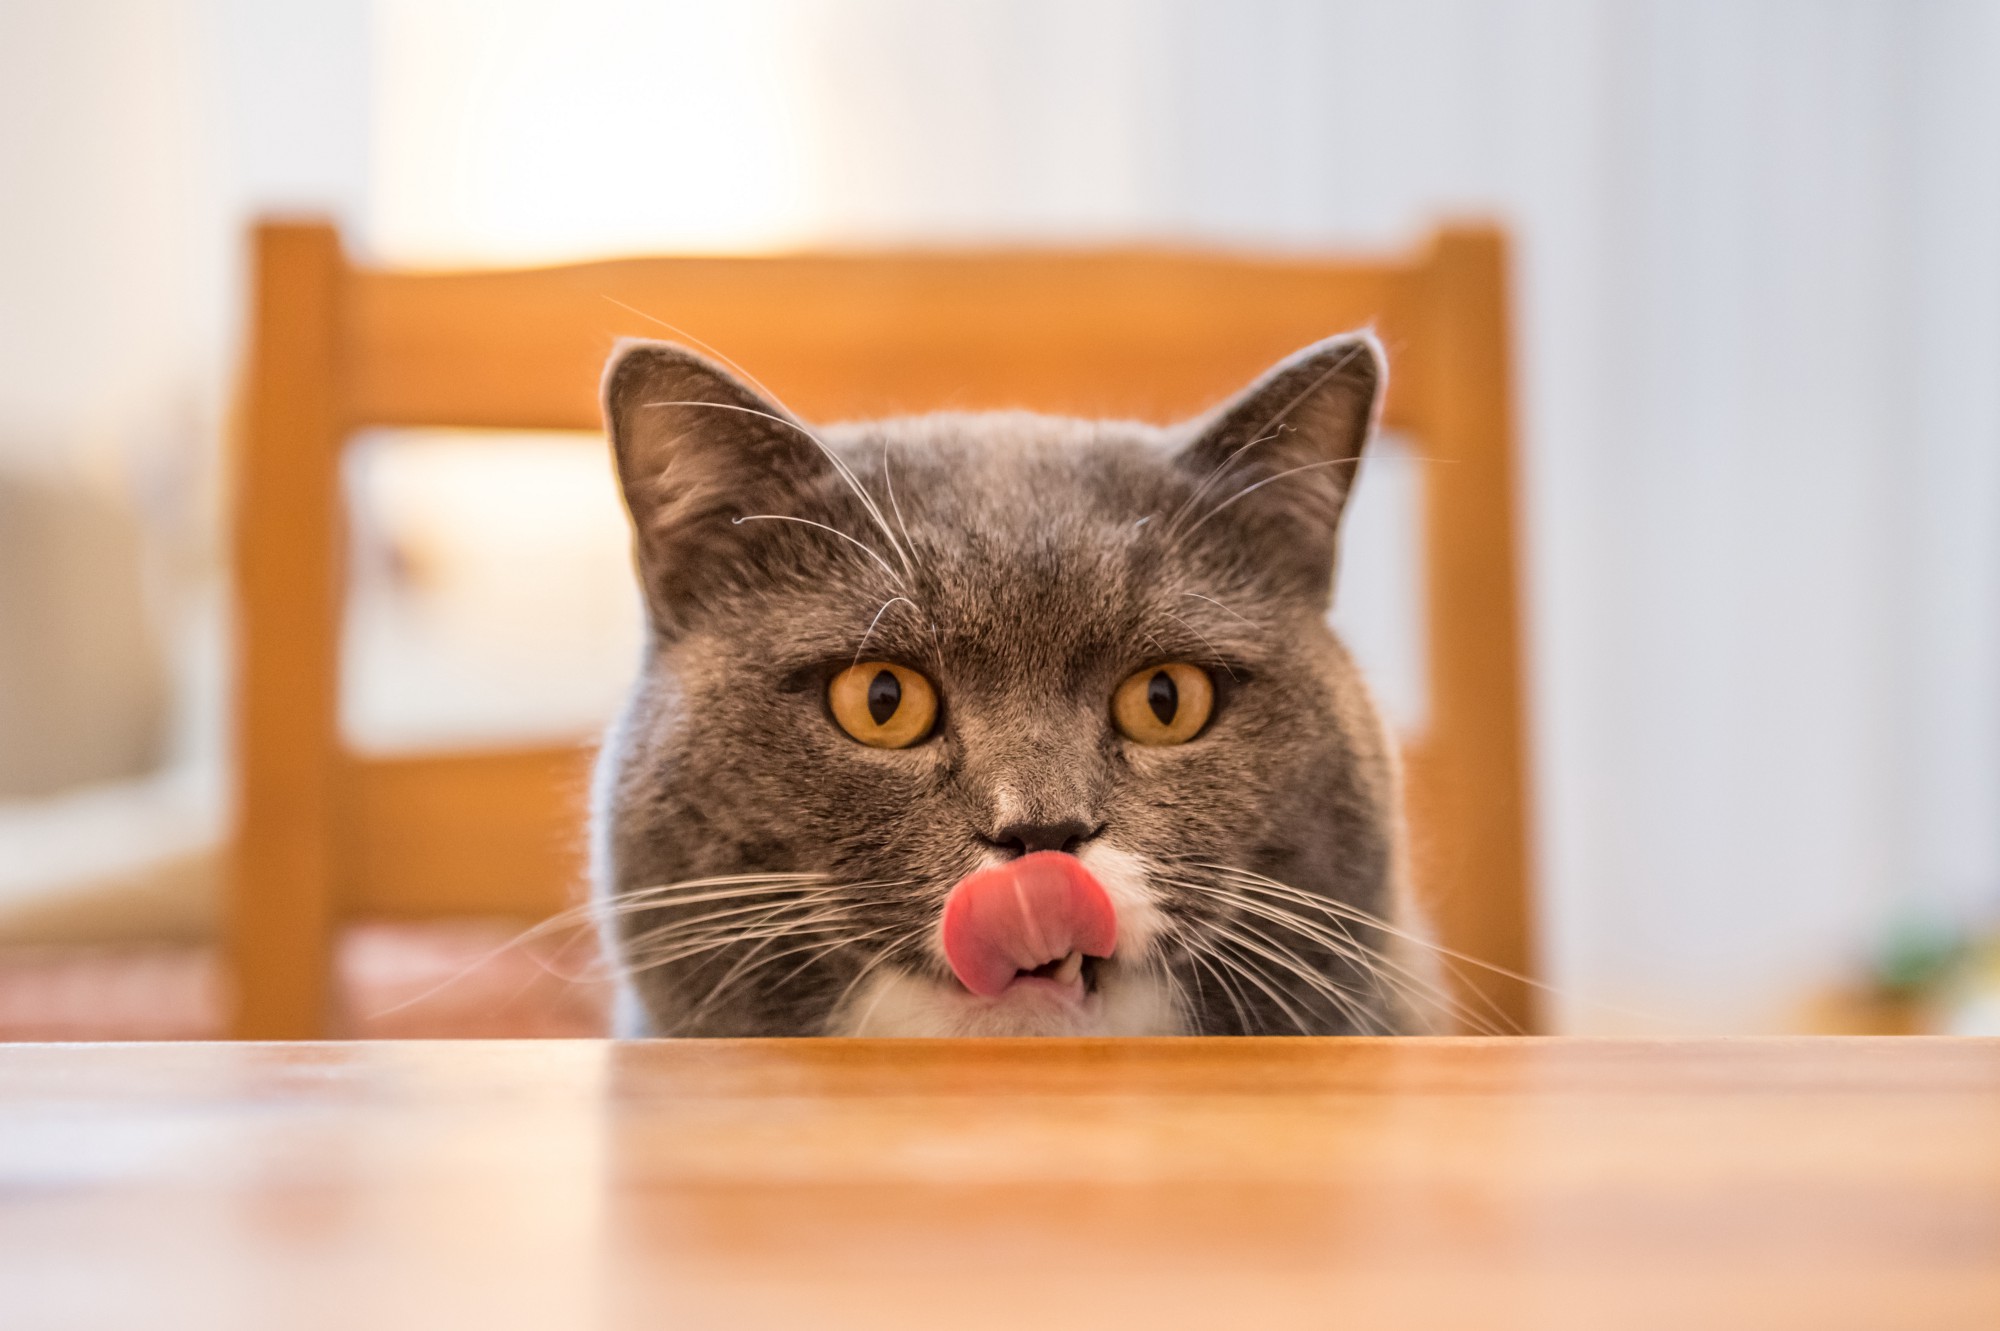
pixel 1276 462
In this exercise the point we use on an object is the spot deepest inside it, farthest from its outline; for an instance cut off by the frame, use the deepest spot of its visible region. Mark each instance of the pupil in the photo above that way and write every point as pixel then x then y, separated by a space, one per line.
pixel 1163 697
pixel 885 695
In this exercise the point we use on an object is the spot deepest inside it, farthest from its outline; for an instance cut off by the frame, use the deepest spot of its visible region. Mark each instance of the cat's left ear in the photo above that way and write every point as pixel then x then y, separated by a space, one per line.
pixel 697 449
pixel 1275 463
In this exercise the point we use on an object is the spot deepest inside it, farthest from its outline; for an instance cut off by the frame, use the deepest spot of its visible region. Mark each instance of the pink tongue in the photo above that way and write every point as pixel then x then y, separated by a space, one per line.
pixel 1023 914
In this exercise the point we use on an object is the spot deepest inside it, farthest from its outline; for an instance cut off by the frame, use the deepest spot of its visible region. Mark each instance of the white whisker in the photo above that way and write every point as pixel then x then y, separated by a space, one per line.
pixel 889 484
pixel 712 943
pixel 858 545
pixel 1291 963
pixel 1213 655
pixel 1380 968
pixel 1250 973
pixel 1344 910
pixel 877 620
pixel 686 336
pixel 1191 948
pixel 679 925
pixel 1346 359
pixel 1255 486
pixel 839 465
pixel 1215 473
pixel 888 951
pixel 1220 606
pixel 816 951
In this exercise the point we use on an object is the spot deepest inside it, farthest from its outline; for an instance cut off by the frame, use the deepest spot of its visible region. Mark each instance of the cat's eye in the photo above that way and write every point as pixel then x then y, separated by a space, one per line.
pixel 1166 704
pixel 884 706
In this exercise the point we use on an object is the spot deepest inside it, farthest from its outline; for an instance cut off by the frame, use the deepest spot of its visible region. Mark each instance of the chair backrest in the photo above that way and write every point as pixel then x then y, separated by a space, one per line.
pixel 323 835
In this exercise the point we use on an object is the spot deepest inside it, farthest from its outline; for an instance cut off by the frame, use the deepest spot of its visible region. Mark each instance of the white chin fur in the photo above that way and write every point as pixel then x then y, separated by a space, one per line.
pixel 898 1004
pixel 1127 1001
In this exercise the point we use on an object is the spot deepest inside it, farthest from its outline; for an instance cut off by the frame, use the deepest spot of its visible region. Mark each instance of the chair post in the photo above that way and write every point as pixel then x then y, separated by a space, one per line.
pixel 1468 786
pixel 287 606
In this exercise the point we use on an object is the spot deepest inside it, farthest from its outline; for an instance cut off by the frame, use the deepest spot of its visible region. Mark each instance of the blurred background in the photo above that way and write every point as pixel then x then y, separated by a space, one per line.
pixel 1757 304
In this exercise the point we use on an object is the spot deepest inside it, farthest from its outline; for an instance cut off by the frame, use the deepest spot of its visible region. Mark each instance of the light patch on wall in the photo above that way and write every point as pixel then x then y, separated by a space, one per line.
pixel 1378 607
pixel 513 131
pixel 491 597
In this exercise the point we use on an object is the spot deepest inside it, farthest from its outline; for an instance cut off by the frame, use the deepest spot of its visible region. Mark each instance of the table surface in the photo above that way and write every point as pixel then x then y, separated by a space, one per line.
pixel 1376 1183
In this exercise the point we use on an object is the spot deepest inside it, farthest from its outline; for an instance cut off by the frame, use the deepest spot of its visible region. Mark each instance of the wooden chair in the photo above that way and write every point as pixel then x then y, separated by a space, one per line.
pixel 324 836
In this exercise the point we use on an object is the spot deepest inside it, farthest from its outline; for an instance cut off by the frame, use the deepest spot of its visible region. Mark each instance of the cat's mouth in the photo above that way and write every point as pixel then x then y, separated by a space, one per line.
pixel 1037 924
pixel 1073 977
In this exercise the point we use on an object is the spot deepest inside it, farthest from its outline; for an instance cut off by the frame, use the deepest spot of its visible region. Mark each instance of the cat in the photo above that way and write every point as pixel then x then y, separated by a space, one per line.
pixel 997 724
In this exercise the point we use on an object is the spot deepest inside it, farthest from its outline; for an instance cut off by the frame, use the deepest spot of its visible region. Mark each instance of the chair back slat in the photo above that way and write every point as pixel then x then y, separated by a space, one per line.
pixel 1138 335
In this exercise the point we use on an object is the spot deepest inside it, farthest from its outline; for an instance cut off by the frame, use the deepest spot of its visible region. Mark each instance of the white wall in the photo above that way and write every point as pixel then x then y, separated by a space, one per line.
pixel 105 176
pixel 134 136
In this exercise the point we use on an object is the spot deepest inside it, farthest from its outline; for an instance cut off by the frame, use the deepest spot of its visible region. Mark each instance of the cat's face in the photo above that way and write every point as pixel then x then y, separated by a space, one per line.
pixel 886 656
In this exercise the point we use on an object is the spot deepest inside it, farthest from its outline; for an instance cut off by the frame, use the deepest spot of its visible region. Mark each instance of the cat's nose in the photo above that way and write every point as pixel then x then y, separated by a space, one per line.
pixel 1017 839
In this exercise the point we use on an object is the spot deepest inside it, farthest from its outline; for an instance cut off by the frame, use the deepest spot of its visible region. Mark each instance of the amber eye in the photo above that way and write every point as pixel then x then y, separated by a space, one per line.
pixel 1166 704
pixel 884 706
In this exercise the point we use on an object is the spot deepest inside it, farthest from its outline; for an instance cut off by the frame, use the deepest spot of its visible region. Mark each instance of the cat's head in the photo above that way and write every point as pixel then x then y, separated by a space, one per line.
pixel 886 656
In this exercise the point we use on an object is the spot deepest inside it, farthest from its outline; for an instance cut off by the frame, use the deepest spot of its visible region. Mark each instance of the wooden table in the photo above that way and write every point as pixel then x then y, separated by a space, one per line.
pixel 1255 1183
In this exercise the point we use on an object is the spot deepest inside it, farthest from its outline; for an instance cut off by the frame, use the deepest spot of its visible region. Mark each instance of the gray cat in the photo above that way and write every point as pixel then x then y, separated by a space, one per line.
pixel 997 724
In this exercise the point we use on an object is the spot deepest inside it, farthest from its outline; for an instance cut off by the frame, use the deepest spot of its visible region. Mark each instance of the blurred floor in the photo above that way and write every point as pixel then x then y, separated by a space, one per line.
pixel 405 981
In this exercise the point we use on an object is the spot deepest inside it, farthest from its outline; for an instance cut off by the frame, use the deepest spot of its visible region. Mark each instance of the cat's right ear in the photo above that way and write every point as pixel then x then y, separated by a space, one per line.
pixel 696 449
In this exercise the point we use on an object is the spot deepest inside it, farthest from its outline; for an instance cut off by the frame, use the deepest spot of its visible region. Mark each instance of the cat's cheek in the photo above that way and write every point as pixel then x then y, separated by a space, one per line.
pixel 1127 879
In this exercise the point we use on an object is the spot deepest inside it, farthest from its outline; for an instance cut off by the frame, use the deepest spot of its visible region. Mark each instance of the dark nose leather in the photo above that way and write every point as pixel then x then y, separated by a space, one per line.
pixel 1019 839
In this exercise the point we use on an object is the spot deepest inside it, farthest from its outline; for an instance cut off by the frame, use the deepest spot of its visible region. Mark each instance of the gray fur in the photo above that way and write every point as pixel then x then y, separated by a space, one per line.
pixel 1026 565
